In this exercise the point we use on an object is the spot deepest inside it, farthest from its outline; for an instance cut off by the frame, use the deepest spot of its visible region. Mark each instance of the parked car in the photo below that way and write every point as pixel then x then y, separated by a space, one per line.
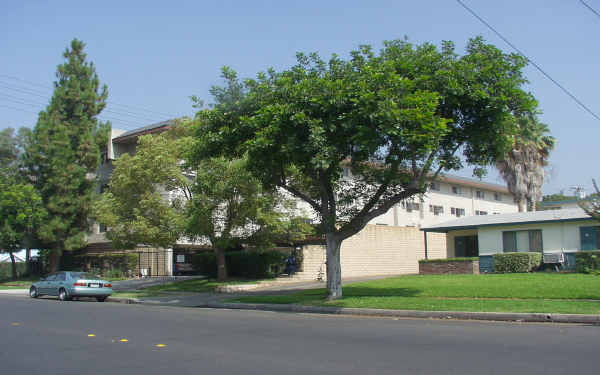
pixel 68 284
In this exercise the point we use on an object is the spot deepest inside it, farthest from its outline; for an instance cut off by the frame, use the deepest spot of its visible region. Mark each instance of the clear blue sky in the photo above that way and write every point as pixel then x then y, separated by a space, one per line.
pixel 154 55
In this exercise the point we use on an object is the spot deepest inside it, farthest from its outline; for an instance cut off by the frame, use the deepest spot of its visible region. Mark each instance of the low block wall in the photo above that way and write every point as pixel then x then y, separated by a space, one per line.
pixel 448 268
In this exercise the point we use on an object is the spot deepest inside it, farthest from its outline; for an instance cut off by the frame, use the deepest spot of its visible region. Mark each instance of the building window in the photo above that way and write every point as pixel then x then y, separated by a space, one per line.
pixel 590 237
pixel 480 212
pixel 436 210
pixel 497 196
pixel 522 240
pixel 435 186
pixel 457 211
pixel 479 194
pixel 412 206
pixel 456 190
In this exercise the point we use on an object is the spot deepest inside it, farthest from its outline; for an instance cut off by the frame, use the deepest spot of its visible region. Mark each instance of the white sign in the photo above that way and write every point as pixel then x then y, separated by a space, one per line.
pixel 180 258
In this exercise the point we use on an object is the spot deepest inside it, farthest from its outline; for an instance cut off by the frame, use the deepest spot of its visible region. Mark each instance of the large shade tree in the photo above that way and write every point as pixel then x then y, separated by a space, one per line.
pixel 522 166
pixel 63 154
pixel 396 118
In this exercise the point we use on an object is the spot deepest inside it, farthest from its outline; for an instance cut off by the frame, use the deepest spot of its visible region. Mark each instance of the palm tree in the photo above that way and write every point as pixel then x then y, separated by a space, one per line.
pixel 522 167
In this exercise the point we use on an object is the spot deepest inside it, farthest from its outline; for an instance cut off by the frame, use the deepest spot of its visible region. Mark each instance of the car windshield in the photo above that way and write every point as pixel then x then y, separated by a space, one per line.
pixel 84 275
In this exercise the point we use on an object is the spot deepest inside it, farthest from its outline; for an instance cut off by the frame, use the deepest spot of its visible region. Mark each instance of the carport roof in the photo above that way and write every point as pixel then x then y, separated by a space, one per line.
pixel 473 222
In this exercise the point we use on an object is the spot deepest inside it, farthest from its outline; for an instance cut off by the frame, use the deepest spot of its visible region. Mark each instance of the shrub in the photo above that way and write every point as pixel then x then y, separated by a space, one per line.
pixel 243 264
pixel 448 260
pixel 205 263
pixel 517 262
pixel 587 261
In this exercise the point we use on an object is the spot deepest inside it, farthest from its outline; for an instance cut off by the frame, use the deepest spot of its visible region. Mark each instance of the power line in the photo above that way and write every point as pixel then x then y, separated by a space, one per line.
pixel 145 110
pixel 531 61
pixel 32 104
pixel 590 8
pixel 28 91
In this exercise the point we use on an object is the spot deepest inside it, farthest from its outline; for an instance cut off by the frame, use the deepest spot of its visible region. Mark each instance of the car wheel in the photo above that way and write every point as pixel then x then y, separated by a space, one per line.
pixel 101 299
pixel 62 295
pixel 33 293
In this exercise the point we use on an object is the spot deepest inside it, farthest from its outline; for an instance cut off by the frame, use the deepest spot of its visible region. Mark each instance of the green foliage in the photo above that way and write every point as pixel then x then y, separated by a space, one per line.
pixel 134 208
pixel 6 270
pixel 63 156
pixel 557 197
pixel 243 264
pixel 107 265
pixel 517 262
pixel 448 260
pixel 230 208
pixel 587 262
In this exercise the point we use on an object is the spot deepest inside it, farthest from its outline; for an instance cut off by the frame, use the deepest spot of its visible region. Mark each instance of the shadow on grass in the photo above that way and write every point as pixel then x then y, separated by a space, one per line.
pixel 363 291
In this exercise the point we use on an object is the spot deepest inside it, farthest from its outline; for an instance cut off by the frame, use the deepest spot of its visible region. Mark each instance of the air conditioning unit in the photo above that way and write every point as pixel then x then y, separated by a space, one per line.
pixel 554 257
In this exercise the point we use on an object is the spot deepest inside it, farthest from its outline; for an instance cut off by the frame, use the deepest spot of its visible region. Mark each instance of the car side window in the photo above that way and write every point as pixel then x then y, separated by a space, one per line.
pixel 61 277
pixel 51 277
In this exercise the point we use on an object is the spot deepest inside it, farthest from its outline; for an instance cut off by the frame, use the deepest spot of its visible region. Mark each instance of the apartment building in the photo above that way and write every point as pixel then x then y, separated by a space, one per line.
pixel 449 198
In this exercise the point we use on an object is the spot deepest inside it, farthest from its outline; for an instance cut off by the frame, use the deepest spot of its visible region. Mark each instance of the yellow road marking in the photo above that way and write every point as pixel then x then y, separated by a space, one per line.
pixel 160 345
pixel 123 340
pixel 15 324
pixel 91 335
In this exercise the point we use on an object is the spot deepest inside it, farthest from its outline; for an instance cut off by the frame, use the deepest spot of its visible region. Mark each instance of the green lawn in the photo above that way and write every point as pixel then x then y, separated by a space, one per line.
pixel 18 284
pixel 538 292
pixel 192 286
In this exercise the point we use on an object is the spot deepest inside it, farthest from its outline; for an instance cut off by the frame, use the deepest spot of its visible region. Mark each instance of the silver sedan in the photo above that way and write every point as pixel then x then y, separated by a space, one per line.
pixel 67 284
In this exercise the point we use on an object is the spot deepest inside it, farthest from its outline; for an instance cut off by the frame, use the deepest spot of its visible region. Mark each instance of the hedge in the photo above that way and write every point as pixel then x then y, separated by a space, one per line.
pixel 244 264
pixel 587 261
pixel 517 262
pixel 448 260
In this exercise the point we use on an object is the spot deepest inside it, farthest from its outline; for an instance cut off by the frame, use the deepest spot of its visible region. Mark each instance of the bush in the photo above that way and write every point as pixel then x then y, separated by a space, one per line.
pixel 587 261
pixel 517 262
pixel 243 264
pixel 448 260
pixel 205 263
pixel 6 270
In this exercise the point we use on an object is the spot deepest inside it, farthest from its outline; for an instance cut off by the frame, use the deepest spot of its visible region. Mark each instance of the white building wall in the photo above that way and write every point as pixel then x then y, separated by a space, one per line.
pixel 563 236
pixel 466 199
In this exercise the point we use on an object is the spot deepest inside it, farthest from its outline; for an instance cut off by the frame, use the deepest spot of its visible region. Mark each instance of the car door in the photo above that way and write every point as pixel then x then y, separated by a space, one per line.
pixel 45 285
pixel 55 285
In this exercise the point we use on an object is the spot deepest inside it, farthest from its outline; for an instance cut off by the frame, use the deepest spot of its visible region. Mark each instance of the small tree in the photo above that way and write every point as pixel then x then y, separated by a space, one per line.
pixel 21 211
pixel 136 208
pixel 63 154
pixel 396 119
pixel 230 209
pixel 592 206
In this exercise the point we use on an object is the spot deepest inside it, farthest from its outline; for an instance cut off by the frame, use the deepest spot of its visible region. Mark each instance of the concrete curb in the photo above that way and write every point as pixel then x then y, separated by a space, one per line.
pixel 490 316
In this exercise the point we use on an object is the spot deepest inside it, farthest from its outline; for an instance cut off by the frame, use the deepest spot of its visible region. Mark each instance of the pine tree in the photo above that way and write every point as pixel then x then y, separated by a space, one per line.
pixel 64 155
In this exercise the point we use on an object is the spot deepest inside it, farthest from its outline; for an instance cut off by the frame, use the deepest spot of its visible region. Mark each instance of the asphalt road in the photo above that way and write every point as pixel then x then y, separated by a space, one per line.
pixel 48 337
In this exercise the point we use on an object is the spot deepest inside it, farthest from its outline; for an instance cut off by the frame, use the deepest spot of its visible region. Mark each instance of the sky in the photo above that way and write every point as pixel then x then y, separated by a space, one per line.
pixel 154 55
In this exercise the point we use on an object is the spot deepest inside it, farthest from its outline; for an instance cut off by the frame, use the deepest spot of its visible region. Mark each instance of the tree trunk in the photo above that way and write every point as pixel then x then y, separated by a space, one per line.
pixel 522 205
pixel 221 266
pixel 54 260
pixel 334 267
pixel 14 265
pixel 28 261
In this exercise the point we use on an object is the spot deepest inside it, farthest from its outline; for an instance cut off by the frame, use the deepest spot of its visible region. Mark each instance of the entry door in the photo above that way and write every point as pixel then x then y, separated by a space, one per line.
pixel 589 238
pixel 466 246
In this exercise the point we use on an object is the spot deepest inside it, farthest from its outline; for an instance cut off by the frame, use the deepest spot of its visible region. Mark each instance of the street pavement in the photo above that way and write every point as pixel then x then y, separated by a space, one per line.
pixel 45 336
